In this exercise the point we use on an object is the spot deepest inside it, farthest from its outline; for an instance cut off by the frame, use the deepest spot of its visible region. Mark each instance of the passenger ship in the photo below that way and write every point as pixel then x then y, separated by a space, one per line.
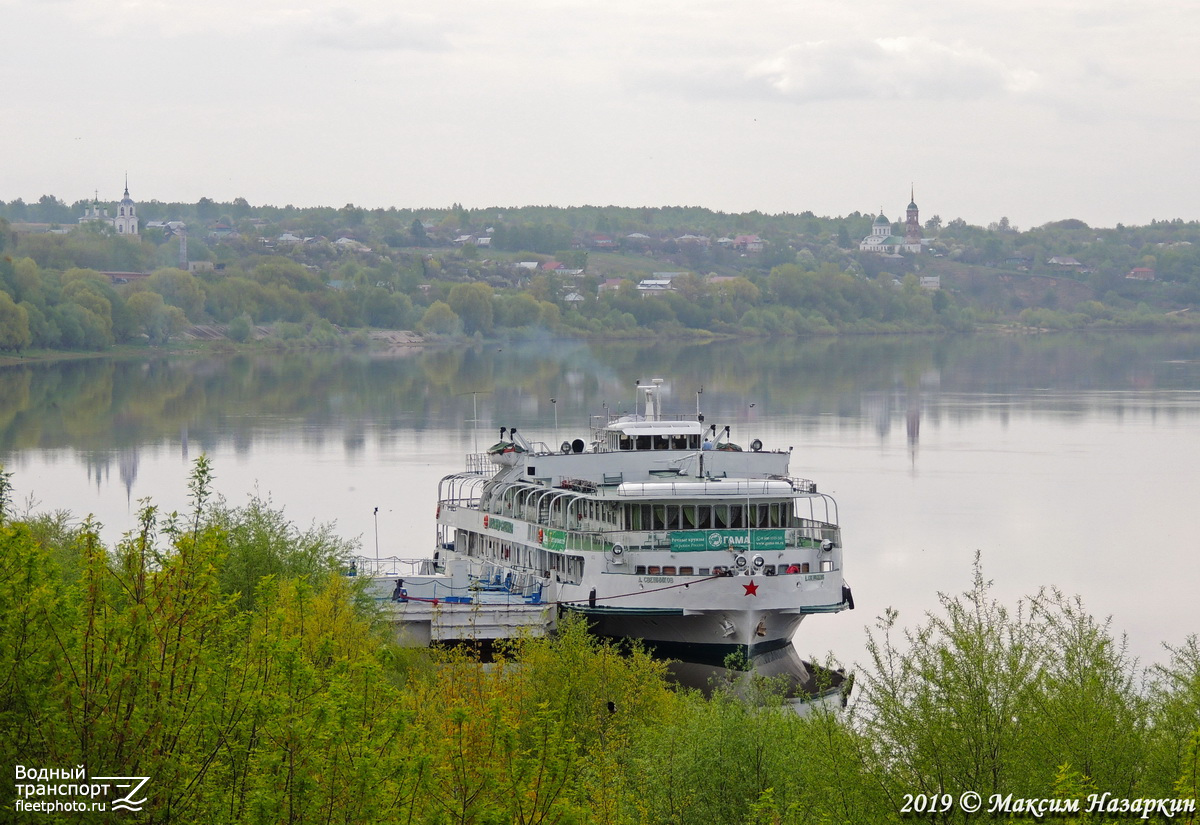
pixel 655 528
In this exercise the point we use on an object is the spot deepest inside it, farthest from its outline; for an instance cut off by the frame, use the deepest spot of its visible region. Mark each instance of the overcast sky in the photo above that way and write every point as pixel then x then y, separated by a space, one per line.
pixel 1032 110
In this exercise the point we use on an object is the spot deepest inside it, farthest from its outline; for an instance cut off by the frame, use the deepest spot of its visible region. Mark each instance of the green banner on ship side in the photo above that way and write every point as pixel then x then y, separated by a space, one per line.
pixel 721 539
pixel 552 539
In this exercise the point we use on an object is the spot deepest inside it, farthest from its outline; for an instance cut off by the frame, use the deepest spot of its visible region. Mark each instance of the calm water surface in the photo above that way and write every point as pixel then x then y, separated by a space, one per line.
pixel 1064 460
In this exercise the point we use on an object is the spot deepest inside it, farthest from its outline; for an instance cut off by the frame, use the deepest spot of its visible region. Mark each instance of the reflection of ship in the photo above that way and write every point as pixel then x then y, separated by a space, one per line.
pixel 710 554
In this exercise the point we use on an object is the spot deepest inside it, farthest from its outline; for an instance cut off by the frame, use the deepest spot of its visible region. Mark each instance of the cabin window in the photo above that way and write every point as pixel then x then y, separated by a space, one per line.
pixel 643 442
pixel 688 516
pixel 678 442
pixel 686 571
pixel 673 517
pixel 640 570
pixel 659 518
pixel 669 571
pixel 654 570
pixel 704 571
pixel 693 442
pixel 661 442
pixel 720 516
pixel 772 515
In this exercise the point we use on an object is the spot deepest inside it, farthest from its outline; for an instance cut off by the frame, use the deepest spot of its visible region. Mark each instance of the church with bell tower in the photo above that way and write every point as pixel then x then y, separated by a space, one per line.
pixel 125 221
pixel 881 239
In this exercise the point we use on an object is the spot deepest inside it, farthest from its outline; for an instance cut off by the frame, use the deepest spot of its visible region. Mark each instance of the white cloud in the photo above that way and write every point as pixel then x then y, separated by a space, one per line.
pixel 895 68
pixel 344 28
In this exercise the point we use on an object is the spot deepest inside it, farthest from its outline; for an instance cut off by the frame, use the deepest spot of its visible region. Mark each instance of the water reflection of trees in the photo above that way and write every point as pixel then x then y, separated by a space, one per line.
pixel 110 404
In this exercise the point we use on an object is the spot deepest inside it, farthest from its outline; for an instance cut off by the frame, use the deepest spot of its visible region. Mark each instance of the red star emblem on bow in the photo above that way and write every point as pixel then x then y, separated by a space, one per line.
pixel 751 588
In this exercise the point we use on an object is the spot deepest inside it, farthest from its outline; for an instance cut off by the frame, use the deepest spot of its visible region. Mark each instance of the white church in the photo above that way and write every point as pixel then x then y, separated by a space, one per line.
pixel 882 240
pixel 125 222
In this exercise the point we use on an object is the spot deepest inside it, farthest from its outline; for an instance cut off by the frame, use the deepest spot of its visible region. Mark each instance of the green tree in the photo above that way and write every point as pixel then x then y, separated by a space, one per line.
pixel 179 289
pixel 239 329
pixel 439 319
pixel 287 273
pixel 154 318
pixel 14 324
pixel 519 310
pixel 263 543
pixel 206 209
pixel 472 303
pixel 941 711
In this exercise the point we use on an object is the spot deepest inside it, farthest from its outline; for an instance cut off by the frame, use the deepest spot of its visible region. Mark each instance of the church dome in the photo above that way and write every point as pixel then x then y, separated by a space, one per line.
pixel 912 204
pixel 882 220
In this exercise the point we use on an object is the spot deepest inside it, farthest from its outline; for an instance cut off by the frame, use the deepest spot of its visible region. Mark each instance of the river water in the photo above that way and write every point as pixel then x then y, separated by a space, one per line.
pixel 1064 460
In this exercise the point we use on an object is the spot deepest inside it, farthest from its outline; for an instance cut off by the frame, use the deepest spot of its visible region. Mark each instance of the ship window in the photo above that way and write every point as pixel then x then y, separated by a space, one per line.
pixel 530 471
pixel 678 442
pixel 804 568
pixel 640 570
pixel 634 516
pixel 693 442
pixel 669 571
pixel 654 570
pixel 721 516
pixel 661 442
pixel 626 443
pixel 704 571
pixel 688 512
pixel 660 517
pixel 673 517
pixel 687 571
pixel 643 442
